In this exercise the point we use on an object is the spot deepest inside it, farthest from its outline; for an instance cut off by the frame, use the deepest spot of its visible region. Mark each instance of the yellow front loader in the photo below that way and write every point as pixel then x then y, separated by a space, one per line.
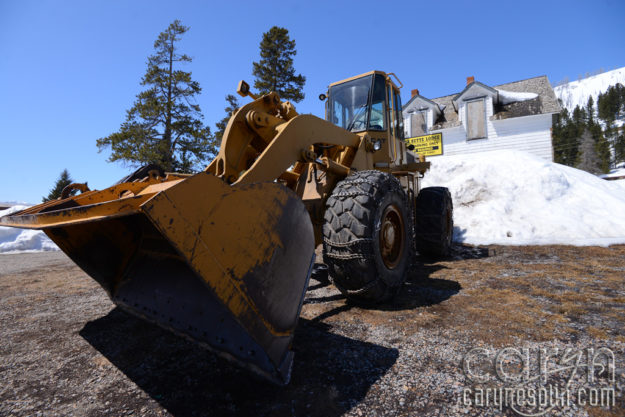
pixel 224 256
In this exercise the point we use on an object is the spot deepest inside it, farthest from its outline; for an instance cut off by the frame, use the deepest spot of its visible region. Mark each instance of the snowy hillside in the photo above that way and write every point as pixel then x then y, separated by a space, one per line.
pixel 576 93
pixel 514 198
pixel 21 240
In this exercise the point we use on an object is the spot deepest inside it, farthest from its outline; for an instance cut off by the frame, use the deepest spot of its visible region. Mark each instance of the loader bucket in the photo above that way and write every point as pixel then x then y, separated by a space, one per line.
pixel 226 266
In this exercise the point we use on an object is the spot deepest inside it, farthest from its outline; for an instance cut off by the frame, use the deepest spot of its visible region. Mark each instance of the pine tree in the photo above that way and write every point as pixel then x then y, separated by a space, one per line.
pixel 164 125
pixel 590 110
pixel 275 71
pixel 601 144
pixel 565 140
pixel 611 104
pixel 611 108
pixel 63 181
pixel 233 105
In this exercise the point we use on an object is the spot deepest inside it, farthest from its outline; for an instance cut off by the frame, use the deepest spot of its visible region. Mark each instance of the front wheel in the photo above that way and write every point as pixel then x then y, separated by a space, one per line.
pixel 368 236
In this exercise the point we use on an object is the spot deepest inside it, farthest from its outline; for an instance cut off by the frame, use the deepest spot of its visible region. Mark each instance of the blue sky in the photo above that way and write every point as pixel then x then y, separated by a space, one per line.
pixel 69 70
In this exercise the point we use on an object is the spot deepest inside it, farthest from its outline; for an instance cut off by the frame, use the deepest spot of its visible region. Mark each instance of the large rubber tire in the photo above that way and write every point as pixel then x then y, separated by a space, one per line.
pixel 434 223
pixel 368 236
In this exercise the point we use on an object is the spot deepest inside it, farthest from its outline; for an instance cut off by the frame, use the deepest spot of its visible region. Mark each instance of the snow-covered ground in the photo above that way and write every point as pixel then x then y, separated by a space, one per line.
pixel 514 198
pixel 576 93
pixel 500 197
pixel 618 172
pixel 22 240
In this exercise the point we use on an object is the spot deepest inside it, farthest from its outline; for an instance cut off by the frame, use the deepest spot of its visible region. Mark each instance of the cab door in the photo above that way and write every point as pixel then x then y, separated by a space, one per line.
pixel 396 124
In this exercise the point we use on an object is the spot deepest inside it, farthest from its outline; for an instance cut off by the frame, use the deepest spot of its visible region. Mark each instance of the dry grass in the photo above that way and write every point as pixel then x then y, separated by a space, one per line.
pixel 521 293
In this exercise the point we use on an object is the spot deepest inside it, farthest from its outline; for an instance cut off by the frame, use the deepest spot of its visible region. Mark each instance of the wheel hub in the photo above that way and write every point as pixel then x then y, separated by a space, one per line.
pixel 391 236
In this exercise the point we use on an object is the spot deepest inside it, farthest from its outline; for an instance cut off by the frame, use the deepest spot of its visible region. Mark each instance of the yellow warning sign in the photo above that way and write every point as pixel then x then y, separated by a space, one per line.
pixel 427 144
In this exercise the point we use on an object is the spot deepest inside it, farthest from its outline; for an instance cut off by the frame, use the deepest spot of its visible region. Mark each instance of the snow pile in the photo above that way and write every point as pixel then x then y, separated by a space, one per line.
pixel 507 97
pixel 615 173
pixel 22 240
pixel 514 198
pixel 576 93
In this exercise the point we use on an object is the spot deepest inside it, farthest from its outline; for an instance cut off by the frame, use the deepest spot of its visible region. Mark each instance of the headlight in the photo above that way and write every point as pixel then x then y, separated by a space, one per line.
pixel 377 145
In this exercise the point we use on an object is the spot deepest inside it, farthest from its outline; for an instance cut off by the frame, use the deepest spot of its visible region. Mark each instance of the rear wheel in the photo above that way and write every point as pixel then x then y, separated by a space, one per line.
pixel 368 236
pixel 434 222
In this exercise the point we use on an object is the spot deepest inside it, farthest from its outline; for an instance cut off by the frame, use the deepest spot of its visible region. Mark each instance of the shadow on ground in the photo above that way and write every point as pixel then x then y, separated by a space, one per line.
pixel 419 290
pixel 330 375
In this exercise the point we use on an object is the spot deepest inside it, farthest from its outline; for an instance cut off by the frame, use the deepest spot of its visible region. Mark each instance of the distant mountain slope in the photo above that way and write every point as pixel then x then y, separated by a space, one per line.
pixel 576 93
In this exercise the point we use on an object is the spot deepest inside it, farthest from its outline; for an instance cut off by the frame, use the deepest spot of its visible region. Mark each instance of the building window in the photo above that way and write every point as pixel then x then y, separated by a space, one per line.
pixel 418 123
pixel 476 119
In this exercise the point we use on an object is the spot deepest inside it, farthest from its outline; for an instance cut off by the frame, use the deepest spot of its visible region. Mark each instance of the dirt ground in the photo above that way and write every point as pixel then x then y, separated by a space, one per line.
pixel 65 349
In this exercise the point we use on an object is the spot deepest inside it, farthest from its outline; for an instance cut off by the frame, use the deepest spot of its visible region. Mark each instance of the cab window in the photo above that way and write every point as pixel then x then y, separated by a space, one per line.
pixel 399 120
pixel 377 119
pixel 349 104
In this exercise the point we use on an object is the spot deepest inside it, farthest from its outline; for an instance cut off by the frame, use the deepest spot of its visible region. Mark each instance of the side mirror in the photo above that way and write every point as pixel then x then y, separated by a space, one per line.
pixel 243 88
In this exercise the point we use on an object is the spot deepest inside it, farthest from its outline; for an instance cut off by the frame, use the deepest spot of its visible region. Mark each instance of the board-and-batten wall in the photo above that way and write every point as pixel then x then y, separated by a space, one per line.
pixel 531 134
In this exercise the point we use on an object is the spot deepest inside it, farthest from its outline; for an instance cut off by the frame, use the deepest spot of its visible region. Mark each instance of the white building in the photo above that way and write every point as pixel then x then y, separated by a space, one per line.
pixel 517 115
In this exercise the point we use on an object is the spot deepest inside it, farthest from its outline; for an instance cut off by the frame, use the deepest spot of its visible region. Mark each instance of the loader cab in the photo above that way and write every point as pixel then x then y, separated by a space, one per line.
pixel 367 103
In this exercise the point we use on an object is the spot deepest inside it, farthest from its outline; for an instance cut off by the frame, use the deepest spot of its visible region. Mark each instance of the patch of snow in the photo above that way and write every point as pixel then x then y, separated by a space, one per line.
pixel 507 97
pixel 615 173
pixel 576 93
pixel 14 240
pixel 15 203
pixel 514 198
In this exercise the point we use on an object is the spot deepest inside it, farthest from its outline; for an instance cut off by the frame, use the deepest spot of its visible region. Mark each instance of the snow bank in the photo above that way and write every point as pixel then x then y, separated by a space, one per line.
pixel 22 240
pixel 514 198
pixel 507 97
pixel 615 173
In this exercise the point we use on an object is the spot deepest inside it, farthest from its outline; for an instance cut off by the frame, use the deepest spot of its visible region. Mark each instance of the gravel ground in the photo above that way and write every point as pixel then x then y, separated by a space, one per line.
pixel 65 349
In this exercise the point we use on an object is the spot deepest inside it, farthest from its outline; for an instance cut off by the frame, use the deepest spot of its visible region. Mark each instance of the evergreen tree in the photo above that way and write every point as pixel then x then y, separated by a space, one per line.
pixel 611 108
pixel 233 105
pixel 611 104
pixel 590 110
pixel 275 71
pixel 590 138
pixel 63 181
pixel 601 144
pixel 565 140
pixel 164 125
pixel 579 117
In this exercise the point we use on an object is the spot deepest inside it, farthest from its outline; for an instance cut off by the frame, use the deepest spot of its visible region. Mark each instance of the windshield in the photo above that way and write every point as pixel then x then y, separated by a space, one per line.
pixel 348 104
pixel 354 107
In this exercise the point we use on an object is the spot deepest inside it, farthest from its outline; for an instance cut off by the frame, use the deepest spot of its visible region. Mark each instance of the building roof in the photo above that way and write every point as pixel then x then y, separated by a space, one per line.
pixel 419 98
pixel 490 90
pixel 545 102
